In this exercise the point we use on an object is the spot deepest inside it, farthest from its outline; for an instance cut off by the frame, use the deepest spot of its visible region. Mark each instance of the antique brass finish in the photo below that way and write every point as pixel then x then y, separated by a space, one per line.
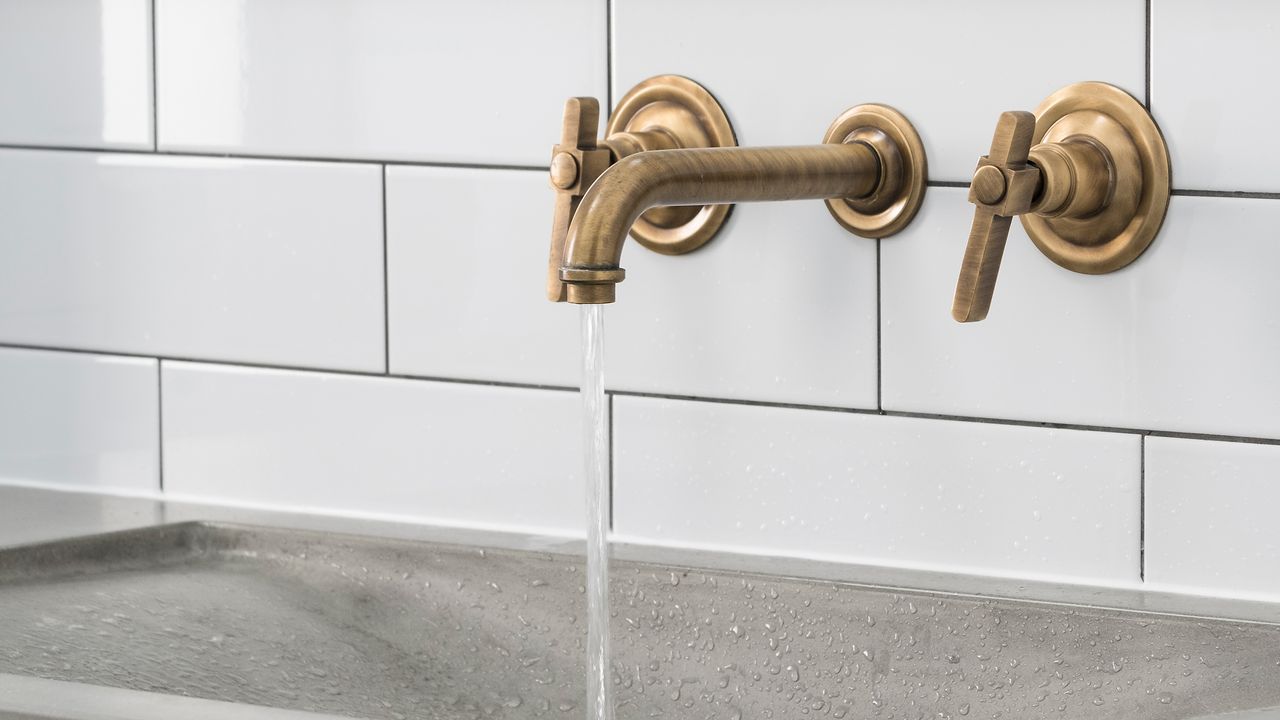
pixel 1002 187
pixel 593 247
pixel 675 174
pixel 1108 120
pixel 669 112
pixel 575 164
pixel 903 171
pixel 1092 194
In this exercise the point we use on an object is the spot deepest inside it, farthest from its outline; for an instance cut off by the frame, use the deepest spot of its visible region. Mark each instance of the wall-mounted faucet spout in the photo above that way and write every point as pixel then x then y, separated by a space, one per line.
pixel 870 169
pixel 702 176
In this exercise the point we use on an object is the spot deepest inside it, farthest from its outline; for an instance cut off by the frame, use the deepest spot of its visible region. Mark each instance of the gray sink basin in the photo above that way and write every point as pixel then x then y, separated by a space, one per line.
pixel 379 628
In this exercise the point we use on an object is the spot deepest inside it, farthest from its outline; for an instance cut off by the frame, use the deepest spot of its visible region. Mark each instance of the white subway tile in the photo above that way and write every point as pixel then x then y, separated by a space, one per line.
pixel 1211 517
pixel 76 73
pixel 466 82
pixel 1212 91
pixel 784 74
pixel 965 497
pixel 266 262
pixel 79 421
pixel 452 453
pixel 780 307
pixel 467 255
pixel 1184 339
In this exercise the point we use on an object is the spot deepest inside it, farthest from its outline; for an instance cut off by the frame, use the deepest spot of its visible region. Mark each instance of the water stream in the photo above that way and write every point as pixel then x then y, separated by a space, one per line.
pixel 595 426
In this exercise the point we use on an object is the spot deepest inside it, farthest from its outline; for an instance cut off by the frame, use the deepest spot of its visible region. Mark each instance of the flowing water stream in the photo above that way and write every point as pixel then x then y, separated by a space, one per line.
pixel 595 426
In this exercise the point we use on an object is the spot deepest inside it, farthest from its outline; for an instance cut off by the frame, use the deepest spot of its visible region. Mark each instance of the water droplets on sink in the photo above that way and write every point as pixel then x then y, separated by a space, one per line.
pixel 283 630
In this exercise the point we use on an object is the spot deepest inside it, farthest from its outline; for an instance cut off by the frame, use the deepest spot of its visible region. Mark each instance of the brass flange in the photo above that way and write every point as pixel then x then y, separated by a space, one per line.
pixel 667 112
pixel 903 170
pixel 1121 129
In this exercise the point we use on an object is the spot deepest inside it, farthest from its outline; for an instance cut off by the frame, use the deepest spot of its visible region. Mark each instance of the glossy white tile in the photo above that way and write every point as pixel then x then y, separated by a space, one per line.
pixel 967 497
pixel 451 453
pixel 1207 91
pixel 256 276
pixel 77 420
pixel 477 82
pixel 255 261
pixel 780 307
pixel 76 73
pixel 952 68
pixel 1184 339
pixel 466 252
pixel 1211 517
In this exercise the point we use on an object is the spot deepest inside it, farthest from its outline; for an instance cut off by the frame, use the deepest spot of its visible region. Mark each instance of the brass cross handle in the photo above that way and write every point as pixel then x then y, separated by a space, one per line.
pixel 1002 187
pixel 1089 175
pixel 575 163
pixel 662 113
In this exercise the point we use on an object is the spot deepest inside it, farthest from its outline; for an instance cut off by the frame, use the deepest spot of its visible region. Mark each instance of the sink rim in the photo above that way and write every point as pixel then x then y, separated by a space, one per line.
pixel 87 548
pixel 268 550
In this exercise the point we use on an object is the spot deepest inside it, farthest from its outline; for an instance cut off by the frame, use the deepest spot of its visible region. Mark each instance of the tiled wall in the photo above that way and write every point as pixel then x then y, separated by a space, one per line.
pixel 290 253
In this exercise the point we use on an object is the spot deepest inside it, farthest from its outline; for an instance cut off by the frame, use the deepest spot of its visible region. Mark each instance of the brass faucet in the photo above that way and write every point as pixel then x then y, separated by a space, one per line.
pixel 669 168
pixel 1089 176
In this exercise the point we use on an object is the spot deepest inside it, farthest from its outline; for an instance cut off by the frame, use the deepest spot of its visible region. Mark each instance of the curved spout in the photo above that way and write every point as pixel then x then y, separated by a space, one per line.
pixel 703 176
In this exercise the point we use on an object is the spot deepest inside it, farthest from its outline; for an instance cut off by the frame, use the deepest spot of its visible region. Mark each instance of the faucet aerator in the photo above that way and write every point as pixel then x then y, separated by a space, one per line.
pixel 588 286
pixel 583 294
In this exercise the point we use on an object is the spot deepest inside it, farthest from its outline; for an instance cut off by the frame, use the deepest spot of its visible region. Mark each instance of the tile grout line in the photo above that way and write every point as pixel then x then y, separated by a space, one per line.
pixel 1242 439
pixel 662 396
pixel 608 58
pixel 317 160
pixel 879 333
pixel 292 368
pixel 160 420
pixel 1147 57
pixel 612 501
pixel 386 282
pixel 1142 508
pixel 374 374
pixel 1237 194
pixel 374 162
pixel 155 84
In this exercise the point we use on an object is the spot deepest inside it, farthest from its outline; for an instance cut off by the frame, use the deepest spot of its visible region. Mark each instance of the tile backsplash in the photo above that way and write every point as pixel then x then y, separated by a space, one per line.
pixel 445 452
pixel 291 254
pixel 469 82
pixel 76 73
pixel 224 259
pixel 992 499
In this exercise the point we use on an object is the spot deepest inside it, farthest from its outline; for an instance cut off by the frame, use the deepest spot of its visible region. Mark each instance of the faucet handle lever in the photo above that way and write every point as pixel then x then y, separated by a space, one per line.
pixel 1003 186
pixel 575 164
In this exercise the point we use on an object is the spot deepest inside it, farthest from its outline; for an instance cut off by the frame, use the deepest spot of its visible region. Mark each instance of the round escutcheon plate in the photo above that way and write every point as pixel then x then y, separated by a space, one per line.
pixel 684 110
pixel 1114 237
pixel 903 177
